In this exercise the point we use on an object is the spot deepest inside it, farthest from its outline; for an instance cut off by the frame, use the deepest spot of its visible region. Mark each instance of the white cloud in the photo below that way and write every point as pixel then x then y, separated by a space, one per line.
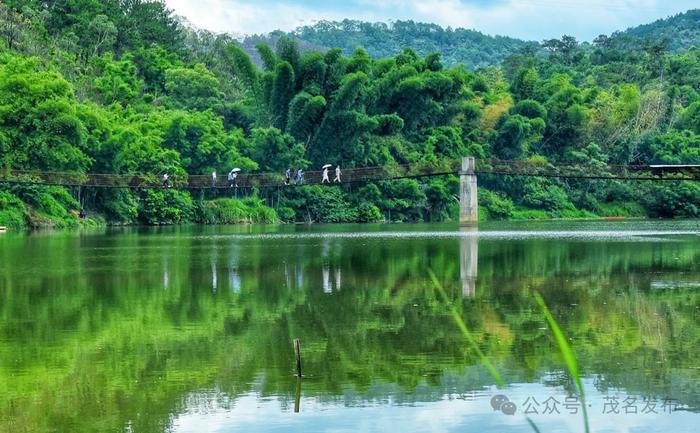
pixel 526 19
pixel 247 17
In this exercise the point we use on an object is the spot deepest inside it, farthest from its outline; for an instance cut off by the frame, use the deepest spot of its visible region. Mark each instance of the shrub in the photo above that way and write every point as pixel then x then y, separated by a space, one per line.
pixel 325 205
pixel 120 206
pixel 13 213
pixel 48 206
pixel 495 205
pixel 235 211
pixel 286 214
pixel 369 213
pixel 530 214
pixel 668 201
pixel 165 207
pixel 541 194
pixel 625 208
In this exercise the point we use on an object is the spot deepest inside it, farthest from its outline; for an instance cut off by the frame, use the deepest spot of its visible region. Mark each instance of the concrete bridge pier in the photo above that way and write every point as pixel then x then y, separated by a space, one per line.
pixel 468 205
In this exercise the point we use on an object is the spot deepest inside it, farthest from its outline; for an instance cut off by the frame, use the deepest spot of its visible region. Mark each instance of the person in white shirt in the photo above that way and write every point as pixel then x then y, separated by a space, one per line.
pixel 337 174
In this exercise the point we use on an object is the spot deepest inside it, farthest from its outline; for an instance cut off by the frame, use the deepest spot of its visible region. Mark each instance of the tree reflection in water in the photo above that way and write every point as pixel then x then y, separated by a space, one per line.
pixel 90 341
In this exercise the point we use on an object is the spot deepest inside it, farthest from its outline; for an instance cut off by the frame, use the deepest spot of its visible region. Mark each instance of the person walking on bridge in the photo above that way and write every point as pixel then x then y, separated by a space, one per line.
pixel 166 181
pixel 232 175
pixel 300 177
pixel 288 176
pixel 337 174
pixel 325 169
pixel 213 179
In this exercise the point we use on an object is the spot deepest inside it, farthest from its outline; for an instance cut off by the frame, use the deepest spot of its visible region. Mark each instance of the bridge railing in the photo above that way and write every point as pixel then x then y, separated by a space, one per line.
pixel 363 174
pixel 538 168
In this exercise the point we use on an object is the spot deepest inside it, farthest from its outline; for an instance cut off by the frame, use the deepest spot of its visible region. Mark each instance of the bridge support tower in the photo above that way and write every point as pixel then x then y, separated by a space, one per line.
pixel 468 205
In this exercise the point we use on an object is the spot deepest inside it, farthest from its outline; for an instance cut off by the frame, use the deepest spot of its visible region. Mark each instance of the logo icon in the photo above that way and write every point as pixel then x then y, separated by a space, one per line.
pixel 502 403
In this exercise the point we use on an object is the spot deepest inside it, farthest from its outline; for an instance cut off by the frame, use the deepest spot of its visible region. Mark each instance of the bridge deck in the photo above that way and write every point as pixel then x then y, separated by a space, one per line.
pixel 362 175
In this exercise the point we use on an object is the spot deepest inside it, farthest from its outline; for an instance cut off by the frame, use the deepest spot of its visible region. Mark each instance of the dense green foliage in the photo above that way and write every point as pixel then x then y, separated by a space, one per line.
pixel 681 31
pixel 463 46
pixel 456 46
pixel 121 87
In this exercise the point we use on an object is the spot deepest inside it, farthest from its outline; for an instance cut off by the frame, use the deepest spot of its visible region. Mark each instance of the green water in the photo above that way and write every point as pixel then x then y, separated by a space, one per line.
pixel 191 329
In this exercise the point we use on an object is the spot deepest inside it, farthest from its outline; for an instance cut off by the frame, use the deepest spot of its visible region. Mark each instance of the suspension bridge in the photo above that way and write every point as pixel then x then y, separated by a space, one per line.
pixel 362 175
pixel 467 168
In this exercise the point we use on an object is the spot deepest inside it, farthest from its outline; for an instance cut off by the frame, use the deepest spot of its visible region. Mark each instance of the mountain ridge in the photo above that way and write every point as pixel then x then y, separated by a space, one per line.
pixel 470 47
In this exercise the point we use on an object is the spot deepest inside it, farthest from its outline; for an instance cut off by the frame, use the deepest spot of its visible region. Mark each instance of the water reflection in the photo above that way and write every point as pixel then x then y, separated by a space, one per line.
pixel 166 272
pixel 452 413
pixel 327 279
pixel 91 312
pixel 213 273
pixel 468 261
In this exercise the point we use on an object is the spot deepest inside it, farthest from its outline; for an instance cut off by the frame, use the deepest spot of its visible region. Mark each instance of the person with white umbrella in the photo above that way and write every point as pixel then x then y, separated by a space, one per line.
pixel 325 178
pixel 232 175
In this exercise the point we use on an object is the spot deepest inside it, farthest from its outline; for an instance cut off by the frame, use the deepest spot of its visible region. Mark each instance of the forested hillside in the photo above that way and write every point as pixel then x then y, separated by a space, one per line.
pixel 680 32
pixel 456 46
pixel 467 47
pixel 119 86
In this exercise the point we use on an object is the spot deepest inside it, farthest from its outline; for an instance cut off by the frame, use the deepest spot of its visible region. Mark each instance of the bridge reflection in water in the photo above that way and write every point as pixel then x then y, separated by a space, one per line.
pixel 318 266
pixel 295 271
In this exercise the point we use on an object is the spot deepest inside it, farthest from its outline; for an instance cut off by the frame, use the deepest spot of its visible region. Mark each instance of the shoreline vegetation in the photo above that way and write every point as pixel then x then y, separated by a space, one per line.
pixel 248 210
pixel 252 211
pixel 125 87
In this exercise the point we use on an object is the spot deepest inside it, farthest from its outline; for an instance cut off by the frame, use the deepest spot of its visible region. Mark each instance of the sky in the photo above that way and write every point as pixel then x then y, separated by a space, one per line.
pixel 524 19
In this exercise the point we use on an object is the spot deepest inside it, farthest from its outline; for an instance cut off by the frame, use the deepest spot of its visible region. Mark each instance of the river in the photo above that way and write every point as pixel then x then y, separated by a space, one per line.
pixel 190 329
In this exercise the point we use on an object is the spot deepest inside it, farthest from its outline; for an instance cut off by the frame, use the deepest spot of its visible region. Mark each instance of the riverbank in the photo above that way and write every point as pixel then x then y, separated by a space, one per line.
pixel 16 215
pixel 55 208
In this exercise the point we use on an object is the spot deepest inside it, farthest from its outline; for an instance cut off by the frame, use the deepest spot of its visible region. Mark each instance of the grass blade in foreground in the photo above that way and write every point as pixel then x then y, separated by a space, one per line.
pixel 470 338
pixel 567 354
pixel 467 334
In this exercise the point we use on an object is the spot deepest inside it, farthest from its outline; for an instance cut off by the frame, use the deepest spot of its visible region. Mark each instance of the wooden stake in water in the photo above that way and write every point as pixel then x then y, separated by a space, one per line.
pixel 297 355
pixel 297 396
